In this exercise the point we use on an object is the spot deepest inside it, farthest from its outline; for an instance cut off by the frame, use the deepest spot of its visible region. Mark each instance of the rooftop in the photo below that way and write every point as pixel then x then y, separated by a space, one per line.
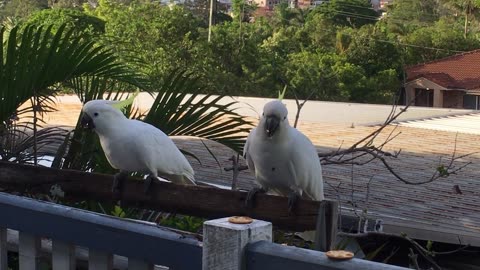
pixel 460 71
pixel 444 211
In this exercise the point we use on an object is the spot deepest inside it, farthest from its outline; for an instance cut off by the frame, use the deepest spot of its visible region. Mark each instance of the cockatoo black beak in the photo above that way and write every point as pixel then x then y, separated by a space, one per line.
pixel 271 124
pixel 87 121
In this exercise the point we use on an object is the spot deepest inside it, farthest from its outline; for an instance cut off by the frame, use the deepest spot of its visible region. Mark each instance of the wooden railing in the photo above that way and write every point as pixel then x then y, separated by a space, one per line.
pixel 225 246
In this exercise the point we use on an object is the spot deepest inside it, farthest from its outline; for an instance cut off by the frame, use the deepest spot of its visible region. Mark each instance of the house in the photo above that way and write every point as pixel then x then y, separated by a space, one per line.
pixel 451 82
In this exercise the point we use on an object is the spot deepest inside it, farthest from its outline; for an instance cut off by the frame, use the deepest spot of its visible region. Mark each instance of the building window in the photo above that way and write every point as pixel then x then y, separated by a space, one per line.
pixel 471 102
pixel 424 97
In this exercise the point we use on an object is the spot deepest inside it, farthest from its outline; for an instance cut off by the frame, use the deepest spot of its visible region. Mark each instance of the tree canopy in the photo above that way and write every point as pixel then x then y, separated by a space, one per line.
pixel 342 50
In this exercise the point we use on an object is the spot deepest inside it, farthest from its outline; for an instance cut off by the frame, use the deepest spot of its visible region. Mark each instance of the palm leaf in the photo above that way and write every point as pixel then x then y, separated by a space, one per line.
pixel 33 61
pixel 180 110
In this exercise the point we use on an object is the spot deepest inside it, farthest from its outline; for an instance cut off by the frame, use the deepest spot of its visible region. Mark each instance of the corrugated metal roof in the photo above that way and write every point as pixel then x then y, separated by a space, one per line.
pixel 468 123
pixel 434 211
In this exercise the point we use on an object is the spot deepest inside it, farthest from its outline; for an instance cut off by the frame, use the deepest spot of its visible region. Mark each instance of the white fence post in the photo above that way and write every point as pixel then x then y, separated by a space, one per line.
pixel 98 260
pixel 63 255
pixel 224 242
pixel 139 265
pixel 28 251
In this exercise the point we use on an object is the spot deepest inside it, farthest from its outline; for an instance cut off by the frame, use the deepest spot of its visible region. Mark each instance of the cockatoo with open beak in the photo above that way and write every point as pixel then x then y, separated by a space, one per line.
pixel 282 158
pixel 135 146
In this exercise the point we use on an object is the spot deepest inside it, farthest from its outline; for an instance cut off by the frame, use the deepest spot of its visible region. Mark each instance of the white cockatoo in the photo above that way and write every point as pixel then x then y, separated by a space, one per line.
pixel 283 159
pixel 135 146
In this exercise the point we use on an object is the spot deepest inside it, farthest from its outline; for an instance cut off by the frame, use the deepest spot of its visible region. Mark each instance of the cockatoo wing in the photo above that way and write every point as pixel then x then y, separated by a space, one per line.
pixel 246 148
pixel 160 154
pixel 306 166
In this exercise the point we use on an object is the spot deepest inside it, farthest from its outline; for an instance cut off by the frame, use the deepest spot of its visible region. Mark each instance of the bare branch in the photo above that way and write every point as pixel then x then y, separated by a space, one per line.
pixel 426 254
pixel 365 148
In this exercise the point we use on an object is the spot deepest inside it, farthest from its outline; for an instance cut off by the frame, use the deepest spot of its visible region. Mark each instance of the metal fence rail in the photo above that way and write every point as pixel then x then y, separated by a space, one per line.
pixel 266 255
pixel 144 244
pixel 225 246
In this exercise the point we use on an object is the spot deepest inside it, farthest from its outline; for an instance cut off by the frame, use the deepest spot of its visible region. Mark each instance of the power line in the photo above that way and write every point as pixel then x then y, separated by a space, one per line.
pixel 409 45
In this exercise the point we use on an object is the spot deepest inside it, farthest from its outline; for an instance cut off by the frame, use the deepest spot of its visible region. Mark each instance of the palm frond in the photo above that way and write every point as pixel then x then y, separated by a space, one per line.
pixel 180 110
pixel 34 59
pixel 17 143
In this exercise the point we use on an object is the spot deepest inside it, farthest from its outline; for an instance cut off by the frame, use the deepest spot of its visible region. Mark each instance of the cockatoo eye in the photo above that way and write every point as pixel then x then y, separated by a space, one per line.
pixel 284 117
pixel 95 114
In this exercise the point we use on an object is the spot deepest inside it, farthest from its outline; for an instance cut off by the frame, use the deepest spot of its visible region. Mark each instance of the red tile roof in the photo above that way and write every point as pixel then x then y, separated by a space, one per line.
pixel 460 71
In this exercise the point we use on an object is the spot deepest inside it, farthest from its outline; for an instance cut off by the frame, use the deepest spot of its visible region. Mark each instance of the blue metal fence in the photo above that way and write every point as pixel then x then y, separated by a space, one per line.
pixel 147 243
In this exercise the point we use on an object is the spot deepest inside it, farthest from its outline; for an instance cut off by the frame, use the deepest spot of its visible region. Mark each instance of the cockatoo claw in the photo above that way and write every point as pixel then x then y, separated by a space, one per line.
pixel 250 200
pixel 147 184
pixel 292 201
pixel 118 180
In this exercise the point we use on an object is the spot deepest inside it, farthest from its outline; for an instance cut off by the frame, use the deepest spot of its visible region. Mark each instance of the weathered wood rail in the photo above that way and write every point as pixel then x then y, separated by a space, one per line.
pixel 201 201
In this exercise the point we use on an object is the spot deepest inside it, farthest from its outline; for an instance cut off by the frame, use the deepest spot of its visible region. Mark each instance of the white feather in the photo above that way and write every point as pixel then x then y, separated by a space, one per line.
pixel 132 145
pixel 285 162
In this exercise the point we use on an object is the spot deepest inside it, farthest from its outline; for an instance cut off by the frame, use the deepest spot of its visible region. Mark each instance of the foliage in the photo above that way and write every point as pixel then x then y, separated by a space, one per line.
pixel 157 39
pixel 307 72
pixel 35 60
pixel 179 109
pixel 21 8
pixel 407 15
pixel 73 18
pixel 258 58
pixel 184 223
pixel 444 34
pixel 353 13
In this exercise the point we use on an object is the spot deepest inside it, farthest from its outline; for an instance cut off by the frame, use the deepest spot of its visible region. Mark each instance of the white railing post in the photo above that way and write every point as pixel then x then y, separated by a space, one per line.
pixel 224 242
pixel 3 249
pixel 28 249
pixel 139 265
pixel 99 260
pixel 63 255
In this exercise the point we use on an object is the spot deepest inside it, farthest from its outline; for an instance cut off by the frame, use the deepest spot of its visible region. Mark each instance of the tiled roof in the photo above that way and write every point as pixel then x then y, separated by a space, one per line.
pixel 460 71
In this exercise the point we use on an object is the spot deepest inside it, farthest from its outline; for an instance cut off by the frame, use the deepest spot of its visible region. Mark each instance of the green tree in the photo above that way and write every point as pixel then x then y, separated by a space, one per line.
pixel 469 8
pixel 22 8
pixel 405 16
pixel 77 4
pixel 309 72
pixel 352 13
pixel 74 19
pixel 243 10
pixel 156 39
pixel 372 49
pixel 442 39
pixel 321 32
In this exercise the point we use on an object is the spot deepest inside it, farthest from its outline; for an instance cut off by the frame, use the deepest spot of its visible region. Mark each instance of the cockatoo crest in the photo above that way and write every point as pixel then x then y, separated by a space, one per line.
pixel 102 114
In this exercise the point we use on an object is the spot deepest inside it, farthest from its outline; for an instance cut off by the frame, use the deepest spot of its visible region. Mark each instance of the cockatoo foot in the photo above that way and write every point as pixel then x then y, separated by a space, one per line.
pixel 292 201
pixel 250 200
pixel 148 184
pixel 118 181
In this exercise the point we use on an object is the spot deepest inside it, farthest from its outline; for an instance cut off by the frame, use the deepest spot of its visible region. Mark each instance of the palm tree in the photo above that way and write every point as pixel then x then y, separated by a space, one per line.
pixel 37 63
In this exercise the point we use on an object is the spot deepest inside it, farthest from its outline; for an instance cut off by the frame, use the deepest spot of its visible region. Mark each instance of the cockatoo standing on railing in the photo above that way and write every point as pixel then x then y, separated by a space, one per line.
pixel 135 146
